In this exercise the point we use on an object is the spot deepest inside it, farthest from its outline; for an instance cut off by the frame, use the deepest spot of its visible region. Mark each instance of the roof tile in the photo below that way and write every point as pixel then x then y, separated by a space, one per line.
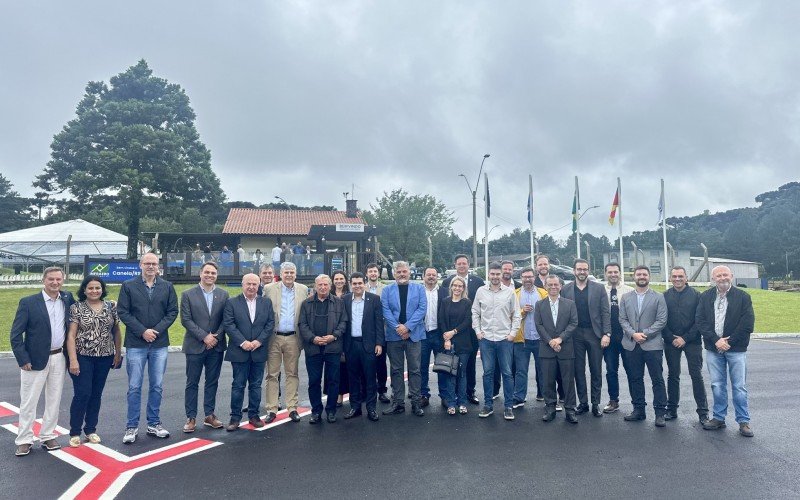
pixel 282 222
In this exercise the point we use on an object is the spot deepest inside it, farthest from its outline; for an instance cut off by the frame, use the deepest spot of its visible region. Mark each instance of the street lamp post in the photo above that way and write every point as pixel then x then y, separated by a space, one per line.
pixel 578 231
pixel 474 193
pixel 282 201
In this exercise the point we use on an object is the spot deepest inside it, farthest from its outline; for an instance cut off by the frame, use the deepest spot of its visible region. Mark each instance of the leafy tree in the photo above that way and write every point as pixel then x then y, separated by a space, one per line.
pixel 15 209
pixel 406 221
pixel 133 139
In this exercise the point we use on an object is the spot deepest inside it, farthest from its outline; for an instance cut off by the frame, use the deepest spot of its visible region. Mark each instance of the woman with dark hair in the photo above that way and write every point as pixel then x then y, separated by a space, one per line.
pixel 339 280
pixel 455 323
pixel 93 346
pixel 340 288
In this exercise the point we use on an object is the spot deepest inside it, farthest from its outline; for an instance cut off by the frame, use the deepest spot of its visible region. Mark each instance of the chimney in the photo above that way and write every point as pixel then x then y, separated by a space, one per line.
pixel 351 209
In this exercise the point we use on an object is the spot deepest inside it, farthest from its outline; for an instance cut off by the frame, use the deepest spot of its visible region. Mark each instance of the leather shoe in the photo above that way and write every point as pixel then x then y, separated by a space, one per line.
pixel 233 425
pixel 660 421
pixel 703 418
pixel 256 422
pixel 213 422
pixel 745 430
pixel 352 414
pixel 596 411
pixel 190 425
pixel 713 424
pixel 394 410
pixel 271 416
pixel 372 415
pixel 294 416
pixel 611 407
pixel 571 418
pixel 670 415
pixel 581 409
pixel 416 410
pixel 549 414
pixel 473 399
pixel 315 418
pixel 635 415
pixel 23 450
pixel 383 398
pixel 423 402
pixel 51 445
pixel 331 418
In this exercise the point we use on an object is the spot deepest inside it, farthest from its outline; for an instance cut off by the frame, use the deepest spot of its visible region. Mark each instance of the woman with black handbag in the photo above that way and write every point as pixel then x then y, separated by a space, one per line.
pixel 455 323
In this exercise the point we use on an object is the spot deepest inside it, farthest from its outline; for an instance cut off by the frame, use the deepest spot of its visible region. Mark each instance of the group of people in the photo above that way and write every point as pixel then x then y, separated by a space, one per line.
pixel 349 326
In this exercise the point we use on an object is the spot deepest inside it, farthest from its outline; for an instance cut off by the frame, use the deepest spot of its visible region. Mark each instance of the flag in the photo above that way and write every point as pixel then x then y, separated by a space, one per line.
pixel 575 209
pixel 614 206
pixel 530 208
pixel 661 207
pixel 486 198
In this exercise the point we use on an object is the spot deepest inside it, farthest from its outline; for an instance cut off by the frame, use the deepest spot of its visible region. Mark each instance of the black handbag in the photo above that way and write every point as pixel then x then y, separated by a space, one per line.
pixel 445 362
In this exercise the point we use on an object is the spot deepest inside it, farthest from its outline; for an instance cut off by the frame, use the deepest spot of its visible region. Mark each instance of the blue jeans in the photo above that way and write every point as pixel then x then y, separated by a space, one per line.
pixel 719 366
pixel 497 354
pixel 250 374
pixel 522 361
pixel 156 360
pixel 454 392
pixel 88 391
pixel 431 344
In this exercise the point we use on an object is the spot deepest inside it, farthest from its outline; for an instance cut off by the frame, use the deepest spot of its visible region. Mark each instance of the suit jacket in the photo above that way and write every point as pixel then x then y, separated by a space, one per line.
pixel 650 320
pixel 416 305
pixel 739 319
pixel 30 331
pixel 238 327
pixel 473 284
pixel 139 312
pixel 273 293
pixel 371 322
pixel 565 326
pixel 198 322
pixel 336 326
pixel 599 310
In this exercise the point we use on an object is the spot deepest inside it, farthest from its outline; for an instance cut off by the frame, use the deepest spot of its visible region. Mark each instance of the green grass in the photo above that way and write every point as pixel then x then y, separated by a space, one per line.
pixel 776 312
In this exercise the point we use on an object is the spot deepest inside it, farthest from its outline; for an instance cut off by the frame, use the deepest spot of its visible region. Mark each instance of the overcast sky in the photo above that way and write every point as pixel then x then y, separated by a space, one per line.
pixel 303 100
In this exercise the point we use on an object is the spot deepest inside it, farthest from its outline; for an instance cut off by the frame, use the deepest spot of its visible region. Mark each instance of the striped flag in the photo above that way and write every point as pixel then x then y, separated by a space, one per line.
pixel 614 206
pixel 530 207
pixel 486 198
pixel 575 208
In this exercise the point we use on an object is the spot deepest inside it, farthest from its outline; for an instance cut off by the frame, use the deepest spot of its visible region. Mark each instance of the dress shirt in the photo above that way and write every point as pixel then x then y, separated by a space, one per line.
pixel 554 310
pixel 55 310
pixel 430 313
pixel 251 308
pixel 639 300
pixel 496 312
pixel 357 317
pixel 209 296
pixel 529 298
pixel 286 323
pixel 150 288
pixel 720 310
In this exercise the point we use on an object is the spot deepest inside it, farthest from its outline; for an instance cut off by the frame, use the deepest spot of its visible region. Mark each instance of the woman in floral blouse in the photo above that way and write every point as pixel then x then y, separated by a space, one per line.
pixel 93 346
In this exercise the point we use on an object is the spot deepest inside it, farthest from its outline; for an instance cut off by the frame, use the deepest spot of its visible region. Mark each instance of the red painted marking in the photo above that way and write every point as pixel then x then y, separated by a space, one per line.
pixel 111 468
pixel 5 412
pixel 282 415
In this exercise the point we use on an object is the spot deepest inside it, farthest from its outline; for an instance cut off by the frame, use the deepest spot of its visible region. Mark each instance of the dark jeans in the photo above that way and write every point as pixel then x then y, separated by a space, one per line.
pixel 381 372
pixel 471 366
pixel 612 355
pixel 694 358
pixel 401 353
pixel 247 374
pixel 455 390
pixel 88 388
pixel 638 358
pixel 361 371
pixel 211 360
pixel 430 346
pixel 587 345
pixel 522 361
pixel 315 365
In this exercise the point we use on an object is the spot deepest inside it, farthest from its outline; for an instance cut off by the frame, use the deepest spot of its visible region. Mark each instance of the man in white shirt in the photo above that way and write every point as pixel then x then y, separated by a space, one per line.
pixel 433 342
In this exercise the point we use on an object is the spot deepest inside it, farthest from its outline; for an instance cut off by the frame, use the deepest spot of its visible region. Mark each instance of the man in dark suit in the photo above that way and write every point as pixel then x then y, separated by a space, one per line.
pixel 37 340
pixel 542 272
pixel 323 321
pixel 592 335
pixel 363 342
pixel 473 282
pixel 148 305
pixel 725 319
pixel 556 319
pixel 203 344
pixel 249 322
pixel 643 314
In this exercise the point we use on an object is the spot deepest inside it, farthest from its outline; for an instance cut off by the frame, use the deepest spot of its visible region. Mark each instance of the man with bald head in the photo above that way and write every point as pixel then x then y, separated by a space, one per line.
pixel 725 319
pixel 249 323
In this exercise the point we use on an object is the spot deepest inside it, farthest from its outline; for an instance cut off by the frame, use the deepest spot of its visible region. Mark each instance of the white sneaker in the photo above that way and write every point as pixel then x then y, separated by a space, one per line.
pixel 130 435
pixel 158 431
pixel 93 438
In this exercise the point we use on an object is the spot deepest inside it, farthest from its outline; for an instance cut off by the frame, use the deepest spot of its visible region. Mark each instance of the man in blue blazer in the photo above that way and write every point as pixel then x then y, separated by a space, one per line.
pixel 404 305
pixel 363 342
pixel 37 339
pixel 148 305
pixel 249 323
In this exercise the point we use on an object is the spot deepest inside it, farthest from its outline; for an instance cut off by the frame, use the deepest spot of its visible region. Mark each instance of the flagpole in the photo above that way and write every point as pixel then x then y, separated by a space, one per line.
pixel 577 216
pixel 664 232
pixel 486 228
pixel 530 216
pixel 619 219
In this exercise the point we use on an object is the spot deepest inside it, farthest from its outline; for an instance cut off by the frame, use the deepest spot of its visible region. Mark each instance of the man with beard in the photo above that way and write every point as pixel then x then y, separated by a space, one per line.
pixel 433 342
pixel 725 319
pixel 612 354
pixel 375 285
pixel 643 315
pixel 542 273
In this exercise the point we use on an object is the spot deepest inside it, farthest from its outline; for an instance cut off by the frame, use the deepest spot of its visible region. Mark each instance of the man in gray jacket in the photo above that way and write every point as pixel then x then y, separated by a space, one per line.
pixel 643 314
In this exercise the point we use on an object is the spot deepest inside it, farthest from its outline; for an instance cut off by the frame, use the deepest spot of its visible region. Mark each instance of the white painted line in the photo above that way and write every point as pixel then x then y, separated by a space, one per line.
pixel 780 342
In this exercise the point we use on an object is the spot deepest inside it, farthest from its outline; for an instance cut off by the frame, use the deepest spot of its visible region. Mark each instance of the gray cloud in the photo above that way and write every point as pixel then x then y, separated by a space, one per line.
pixel 305 99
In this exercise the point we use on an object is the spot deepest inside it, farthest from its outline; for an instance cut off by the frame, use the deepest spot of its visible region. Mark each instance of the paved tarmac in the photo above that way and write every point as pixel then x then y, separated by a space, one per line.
pixel 432 456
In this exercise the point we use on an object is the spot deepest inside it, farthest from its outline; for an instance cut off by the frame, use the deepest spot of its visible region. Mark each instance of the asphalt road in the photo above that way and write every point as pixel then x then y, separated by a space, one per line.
pixel 443 456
